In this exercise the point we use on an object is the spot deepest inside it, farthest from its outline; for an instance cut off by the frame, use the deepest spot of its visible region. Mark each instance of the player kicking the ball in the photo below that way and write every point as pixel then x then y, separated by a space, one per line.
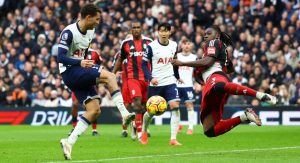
pixel 162 78
pixel 82 75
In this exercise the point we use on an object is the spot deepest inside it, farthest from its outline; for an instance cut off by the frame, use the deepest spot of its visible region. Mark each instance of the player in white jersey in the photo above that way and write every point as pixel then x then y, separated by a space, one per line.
pixel 82 75
pixel 162 78
pixel 185 89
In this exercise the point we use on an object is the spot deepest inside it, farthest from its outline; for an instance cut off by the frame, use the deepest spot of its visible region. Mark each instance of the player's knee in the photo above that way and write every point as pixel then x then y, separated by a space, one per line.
pixel 210 132
pixel 219 87
pixel 112 76
pixel 96 112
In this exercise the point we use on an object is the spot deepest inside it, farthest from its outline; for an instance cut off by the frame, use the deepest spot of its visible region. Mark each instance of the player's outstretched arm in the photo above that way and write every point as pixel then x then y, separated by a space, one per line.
pixel 203 63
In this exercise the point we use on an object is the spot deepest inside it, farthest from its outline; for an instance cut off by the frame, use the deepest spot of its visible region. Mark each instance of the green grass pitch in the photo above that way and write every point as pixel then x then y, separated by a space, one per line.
pixel 275 144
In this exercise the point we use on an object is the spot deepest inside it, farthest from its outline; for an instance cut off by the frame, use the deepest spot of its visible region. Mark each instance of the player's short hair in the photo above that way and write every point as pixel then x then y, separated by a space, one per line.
pixel 135 21
pixel 89 9
pixel 166 25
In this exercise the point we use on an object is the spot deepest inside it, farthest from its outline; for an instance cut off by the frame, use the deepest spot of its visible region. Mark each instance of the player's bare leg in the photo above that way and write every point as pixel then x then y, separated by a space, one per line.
pixel 110 79
pixel 92 112
pixel 175 119
pixel 74 112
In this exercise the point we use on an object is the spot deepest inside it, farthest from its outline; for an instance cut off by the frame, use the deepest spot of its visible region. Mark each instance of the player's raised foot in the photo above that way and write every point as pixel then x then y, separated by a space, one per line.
pixel 180 127
pixel 124 134
pixel 95 133
pixel 67 148
pixel 144 138
pixel 189 132
pixel 128 119
pixel 264 97
pixel 174 142
pixel 252 116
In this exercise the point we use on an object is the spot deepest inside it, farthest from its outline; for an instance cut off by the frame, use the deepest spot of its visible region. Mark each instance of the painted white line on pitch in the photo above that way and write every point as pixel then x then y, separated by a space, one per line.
pixel 183 154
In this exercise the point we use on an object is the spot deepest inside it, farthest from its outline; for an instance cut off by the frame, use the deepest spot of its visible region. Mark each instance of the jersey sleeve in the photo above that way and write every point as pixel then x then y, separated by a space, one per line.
pixel 213 48
pixel 65 42
pixel 175 68
pixel 123 51
pixel 146 57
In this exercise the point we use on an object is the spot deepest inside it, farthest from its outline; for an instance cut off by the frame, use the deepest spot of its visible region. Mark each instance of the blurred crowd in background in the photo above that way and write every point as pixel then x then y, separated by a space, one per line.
pixel 266 34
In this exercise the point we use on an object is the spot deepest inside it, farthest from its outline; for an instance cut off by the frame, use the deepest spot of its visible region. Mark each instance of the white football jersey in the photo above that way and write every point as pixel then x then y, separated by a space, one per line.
pixel 79 42
pixel 185 72
pixel 161 67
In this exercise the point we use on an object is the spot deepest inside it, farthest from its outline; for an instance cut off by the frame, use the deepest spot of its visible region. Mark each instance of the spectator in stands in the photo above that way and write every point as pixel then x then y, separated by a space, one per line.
pixel 53 100
pixel 3 92
pixel 106 99
pixel 65 100
pixel 39 100
pixel 23 99
pixel 158 8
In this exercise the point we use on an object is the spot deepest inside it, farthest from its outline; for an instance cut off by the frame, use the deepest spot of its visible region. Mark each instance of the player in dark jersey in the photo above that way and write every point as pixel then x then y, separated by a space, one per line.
pixel 132 50
pixel 211 68
pixel 95 56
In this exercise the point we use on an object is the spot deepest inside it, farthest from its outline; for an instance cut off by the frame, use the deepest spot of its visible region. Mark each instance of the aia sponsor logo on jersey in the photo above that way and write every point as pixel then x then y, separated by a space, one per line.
pixel 211 50
pixel 164 60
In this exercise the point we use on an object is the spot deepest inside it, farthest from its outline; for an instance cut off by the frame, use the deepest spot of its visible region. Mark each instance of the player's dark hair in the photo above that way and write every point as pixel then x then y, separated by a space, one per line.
pixel 224 37
pixel 166 25
pixel 135 21
pixel 89 9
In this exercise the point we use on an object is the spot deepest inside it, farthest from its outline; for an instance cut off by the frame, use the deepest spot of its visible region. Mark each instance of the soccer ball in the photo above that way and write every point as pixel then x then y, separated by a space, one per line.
pixel 156 105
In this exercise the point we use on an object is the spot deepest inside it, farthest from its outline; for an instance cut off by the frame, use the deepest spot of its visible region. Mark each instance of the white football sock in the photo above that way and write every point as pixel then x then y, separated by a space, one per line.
pixel 243 117
pixel 146 121
pixel 118 100
pixel 191 115
pixel 259 95
pixel 81 126
pixel 175 119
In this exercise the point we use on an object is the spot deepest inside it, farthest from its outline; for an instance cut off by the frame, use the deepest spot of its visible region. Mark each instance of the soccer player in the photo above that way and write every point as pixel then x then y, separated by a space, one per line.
pixel 132 50
pixel 82 75
pixel 162 78
pixel 186 89
pixel 211 70
pixel 95 56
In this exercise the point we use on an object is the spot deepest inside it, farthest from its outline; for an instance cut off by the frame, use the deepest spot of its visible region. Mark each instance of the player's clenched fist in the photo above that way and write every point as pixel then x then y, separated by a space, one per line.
pixel 87 63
